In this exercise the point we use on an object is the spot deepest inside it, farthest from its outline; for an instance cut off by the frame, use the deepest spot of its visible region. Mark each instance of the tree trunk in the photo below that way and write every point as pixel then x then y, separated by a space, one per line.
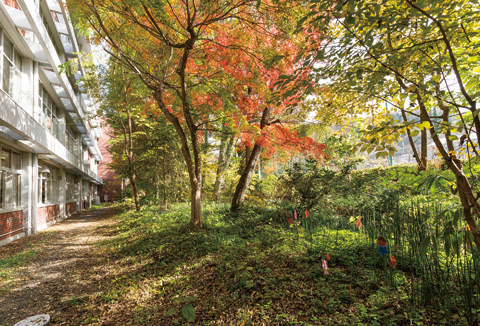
pixel 471 207
pixel 411 141
pixel 128 148
pixel 247 173
pixel 423 144
pixel 421 158
pixel 157 188
pixel 133 181
pixel 194 164
pixel 196 206
pixel 225 152
pixel 164 179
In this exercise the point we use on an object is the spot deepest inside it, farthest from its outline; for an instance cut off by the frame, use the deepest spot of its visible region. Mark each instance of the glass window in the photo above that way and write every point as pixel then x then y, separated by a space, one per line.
pixel 6 78
pixel 10 178
pixel 48 185
pixel 49 112
pixel 55 16
pixel 72 189
pixel 5 160
pixel 11 71
pixel 8 48
pixel 15 161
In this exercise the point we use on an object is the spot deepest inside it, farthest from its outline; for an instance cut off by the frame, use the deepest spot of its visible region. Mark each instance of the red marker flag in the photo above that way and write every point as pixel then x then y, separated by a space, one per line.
pixel 358 223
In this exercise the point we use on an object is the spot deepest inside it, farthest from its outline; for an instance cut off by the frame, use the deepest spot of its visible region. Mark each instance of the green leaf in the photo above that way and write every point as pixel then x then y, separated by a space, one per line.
pixel 259 2
pixel 188 312
pixel 170 312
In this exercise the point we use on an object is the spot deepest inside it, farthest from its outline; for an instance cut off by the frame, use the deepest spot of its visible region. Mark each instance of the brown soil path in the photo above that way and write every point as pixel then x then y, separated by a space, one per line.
pixel 66 269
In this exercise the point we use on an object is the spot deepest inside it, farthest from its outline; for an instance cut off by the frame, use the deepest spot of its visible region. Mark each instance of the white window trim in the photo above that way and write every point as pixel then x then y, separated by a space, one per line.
pixel 16 191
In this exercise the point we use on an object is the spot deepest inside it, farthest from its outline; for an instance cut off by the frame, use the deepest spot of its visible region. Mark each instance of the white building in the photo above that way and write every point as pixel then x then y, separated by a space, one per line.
pixel 48 138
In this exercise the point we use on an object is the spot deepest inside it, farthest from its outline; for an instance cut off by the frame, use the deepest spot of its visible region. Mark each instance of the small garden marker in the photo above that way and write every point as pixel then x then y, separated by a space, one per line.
pixel 325 266
pixel 358 223
pixel 393 261
pixel 382 245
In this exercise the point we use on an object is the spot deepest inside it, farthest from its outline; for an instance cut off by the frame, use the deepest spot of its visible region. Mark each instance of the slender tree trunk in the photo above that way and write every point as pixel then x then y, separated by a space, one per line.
pixel 219 174
pixel 423 150
pixel 470 206
pixel 133 181
pixel 420 158
pixel 164 179
pixel 128 145
pixel 193 164
pixel 423 134
pixel 247 173
pixel 128 148
pixel 225 151
pixel 411 141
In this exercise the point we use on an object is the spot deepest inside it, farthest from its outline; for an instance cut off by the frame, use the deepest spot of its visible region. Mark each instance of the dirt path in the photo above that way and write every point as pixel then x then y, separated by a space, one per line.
pixel 65 268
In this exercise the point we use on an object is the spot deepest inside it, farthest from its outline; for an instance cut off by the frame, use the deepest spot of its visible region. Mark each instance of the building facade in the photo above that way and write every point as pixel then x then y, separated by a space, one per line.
pixel 48 133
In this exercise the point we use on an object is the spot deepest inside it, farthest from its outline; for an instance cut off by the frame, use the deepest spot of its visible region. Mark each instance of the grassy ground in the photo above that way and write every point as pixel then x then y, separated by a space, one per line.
pixel 246 270
pixel 149 268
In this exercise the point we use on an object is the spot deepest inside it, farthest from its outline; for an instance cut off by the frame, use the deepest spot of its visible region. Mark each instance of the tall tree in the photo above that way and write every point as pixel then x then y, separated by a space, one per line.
pixel 122 102
pixel 417 53
pixel 182 51
pixel 164 42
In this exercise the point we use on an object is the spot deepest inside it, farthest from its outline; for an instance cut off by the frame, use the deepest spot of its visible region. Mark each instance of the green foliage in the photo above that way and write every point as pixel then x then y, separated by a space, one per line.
pixel 155 152
pixel 400 68
pixel 241 265
pixel 310 182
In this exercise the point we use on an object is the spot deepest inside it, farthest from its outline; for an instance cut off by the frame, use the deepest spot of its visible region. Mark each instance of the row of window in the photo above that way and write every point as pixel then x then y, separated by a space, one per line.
pixel 48 182
pixel 10 83
pixel 11 67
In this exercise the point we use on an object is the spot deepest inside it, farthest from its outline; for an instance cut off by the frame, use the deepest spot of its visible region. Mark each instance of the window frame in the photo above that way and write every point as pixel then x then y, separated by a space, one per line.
pixel 48 110
pixel 16 67
pixel 71 188
pixel 48 192
pixel 10 195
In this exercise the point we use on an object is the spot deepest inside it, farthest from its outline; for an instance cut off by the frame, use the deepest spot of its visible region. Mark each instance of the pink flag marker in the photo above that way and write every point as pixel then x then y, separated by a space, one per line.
pixel 325 266
pixel 295 213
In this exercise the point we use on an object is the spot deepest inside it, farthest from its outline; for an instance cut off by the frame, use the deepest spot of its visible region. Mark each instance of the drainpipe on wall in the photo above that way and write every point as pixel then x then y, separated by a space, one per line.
pixel 34 196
